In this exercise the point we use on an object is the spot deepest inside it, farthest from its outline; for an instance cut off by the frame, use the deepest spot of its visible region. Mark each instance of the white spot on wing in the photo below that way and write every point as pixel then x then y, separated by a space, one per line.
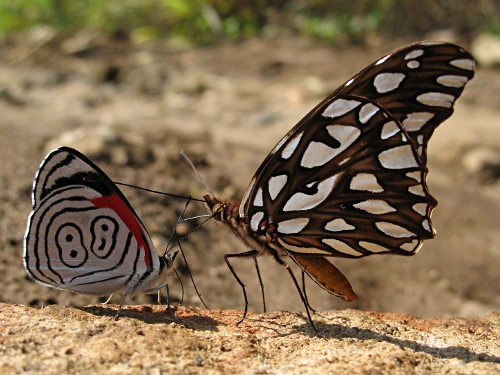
pixel 415 175
pixel 414 54
pixel 385 82
pixel 452 80
pixel 301 201
pixel 417 190
pixel 414 121
pixel 290 147
pixel 245 198
pixel 420 208
pixel 303 250
pixel 436 99
pixel 465 64
pixel 411 246
pixel 373 247
pixel 400 157
pixel 426 225
pixel 367 112
pixel 276 184
pixel 340 107
pixel 375 206
pixel 256 219
pixel 389 129
pixel 317 154
pixel 258 200
pixel 338 225
pixel 340 246
pixel 413 64
pixel 366 182
pixel 292 226
pixel 348 83
pixel 393 230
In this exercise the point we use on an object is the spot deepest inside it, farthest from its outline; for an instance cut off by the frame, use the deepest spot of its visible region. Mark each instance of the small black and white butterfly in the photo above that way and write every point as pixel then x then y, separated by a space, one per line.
pixel 349 180
pixel 84 236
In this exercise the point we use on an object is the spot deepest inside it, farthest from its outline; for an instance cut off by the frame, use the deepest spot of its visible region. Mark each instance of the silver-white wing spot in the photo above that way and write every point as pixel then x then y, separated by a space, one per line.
pixel 303 250
pixel 393 230
pixel 414 121
pixel 276 184
pixel 417 176
pixel 340 107
pixel 301 201
pixel 346 135
pixel 375 206
pixel 366 182
pixel 340 246
pixel 367 112
pixel 245 198
pixel 292 226
pixel 389 129
pixel 436 99
pixel 258 200
pixel 348 83
pixel 317 154
pixel 420 208
pixel 465 64
pixel 290 147
pixel 256 219
pixel 386 82
pixel 417 190
pixel 414 54
pixel 373 247
pixel 426 225
pixel 413 64
pixel 338 225
pixel 452 80
pixel 400 157
pixel 411 246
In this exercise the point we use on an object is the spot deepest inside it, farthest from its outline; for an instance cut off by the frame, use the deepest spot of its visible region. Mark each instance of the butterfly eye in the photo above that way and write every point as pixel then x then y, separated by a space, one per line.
pixel 217 211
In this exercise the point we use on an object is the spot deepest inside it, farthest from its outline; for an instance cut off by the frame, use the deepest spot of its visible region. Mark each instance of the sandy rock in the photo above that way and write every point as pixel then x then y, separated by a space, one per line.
pixel 147 339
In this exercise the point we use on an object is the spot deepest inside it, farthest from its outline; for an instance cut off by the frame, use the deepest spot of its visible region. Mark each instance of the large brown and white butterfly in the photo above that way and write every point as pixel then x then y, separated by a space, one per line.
pixel 349 180
pixel 84 236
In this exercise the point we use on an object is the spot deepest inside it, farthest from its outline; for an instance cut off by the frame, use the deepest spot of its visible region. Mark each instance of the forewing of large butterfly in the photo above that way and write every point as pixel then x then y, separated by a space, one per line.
pixel 82 234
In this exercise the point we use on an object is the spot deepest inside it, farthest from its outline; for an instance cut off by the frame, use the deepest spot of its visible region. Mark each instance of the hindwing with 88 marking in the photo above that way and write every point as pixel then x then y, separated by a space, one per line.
pixel 349 180
pixel 84 236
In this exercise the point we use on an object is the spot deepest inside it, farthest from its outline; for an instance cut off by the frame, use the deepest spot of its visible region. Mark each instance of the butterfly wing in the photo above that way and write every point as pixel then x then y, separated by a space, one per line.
pixel 350 178
pixel 82 234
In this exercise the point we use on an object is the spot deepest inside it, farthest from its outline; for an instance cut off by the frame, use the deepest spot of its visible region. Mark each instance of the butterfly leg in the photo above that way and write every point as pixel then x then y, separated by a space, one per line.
pixel 304 291
pixel 253 254
pixel 304 300
pixel 260 283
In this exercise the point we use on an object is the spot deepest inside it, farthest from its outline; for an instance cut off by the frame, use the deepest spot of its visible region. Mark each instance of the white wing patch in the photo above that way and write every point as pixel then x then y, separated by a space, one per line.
pixel 420 208
pixel 452 80
pixel 301 201
pixel 292 226
pixel 340 107
pixel 386 82
pixel 258 200
pixel 303 250
pixel 436 99
pixel 366 182
pixel 290 148
pixel 373 247
pixel 340 246
pixel 398 158
pixel 414 54
pixel 393 230
pixel 375 206
pixel 465 64
pixel 276 184
pixel 256 219
pixel 338 225
pixel 367 112
pixel 317 154
pixel 411 246
pixel 389 129
pixel 415 121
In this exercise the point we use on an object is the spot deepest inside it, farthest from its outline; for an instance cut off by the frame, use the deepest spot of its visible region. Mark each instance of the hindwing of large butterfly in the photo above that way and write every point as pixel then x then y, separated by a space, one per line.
pixel 349 180
pixel 83 235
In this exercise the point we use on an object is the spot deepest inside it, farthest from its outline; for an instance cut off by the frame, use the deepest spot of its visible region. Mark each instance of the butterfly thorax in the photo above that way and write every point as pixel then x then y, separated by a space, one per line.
pixel 228 213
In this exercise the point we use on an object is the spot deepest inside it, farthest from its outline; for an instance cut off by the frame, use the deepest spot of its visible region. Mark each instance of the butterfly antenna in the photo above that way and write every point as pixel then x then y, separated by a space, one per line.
pixel 174 231
pixel 197 173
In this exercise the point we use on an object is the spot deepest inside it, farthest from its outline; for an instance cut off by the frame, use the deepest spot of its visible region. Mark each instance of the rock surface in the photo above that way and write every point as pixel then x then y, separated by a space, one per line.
pixel 148 340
